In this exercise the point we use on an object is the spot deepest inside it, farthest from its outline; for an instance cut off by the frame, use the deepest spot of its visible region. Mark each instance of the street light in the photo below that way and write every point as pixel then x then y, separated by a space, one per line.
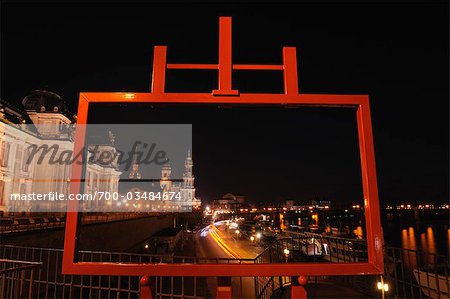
pixel 286 253
pixel 383 287
pixel 252 239
pixel 237 233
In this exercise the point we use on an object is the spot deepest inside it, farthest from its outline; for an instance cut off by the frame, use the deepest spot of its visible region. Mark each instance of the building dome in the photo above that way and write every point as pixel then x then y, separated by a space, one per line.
pixel 44 101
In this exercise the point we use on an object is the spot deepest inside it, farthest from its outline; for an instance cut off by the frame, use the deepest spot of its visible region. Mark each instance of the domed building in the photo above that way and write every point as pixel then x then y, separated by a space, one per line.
pixel 46 107
pixel 45 101
pixel 19 140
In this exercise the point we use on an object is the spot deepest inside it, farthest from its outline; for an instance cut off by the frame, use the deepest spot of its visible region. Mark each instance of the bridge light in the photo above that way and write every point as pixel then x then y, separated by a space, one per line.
pixel 258 235
pixel 146 246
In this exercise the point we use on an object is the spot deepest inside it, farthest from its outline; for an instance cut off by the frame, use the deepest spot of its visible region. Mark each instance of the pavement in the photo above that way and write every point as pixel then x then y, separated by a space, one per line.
pixel 324 290
pixel 214 241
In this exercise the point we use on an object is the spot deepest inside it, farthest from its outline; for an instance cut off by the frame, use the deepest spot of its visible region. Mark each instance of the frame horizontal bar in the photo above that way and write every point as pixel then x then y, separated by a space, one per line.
pixel 124 269
pixel 243 98
pixel 181 66
pixel 249 67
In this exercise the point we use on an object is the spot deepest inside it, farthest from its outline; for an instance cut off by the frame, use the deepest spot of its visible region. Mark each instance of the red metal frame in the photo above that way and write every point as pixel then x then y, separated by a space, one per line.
pixel 226 95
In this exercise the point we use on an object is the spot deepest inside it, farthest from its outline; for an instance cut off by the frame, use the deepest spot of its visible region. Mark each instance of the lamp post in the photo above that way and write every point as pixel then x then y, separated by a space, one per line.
pixel 383 287
pixel 237 233
pixel 286 254
pixel 258 237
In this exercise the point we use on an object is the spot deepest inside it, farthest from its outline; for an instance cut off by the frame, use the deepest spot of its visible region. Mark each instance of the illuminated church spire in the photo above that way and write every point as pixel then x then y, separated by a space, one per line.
pixel 166 182
pixel 135 173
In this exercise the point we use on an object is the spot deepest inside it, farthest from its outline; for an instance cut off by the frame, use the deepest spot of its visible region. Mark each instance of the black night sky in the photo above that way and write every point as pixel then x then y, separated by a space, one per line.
pixel 396 52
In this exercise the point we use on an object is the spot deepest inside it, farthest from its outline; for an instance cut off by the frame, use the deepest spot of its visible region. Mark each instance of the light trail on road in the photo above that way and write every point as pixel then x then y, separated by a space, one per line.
pixel 214 234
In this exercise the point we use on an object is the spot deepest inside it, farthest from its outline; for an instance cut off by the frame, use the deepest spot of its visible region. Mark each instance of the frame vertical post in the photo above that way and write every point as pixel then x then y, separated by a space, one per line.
pixel 223 287
pixel 70 243
pixel 370 186
pixel 159 69
pixel 225 65
pixel 290 70
pixel 298 292
pixel 224 292
pixel 146 291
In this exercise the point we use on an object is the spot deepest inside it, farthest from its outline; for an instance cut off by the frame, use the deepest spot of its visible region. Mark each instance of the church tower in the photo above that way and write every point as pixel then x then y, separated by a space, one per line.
pixel 188 190
pixel 166 182
pixel 135 173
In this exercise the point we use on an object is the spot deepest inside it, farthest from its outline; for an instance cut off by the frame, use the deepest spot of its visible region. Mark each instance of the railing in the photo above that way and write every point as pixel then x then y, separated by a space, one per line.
pixel 17 278
pixel 417 274
pixel 21 224
pixel 51 283
pixel 409 273
pixel 266 287
pixel 27 224
pixel 305 247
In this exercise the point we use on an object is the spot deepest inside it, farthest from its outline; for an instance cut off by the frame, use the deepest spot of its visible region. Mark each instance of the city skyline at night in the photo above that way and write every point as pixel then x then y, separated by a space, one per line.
pixel 293 149
pixel 411 138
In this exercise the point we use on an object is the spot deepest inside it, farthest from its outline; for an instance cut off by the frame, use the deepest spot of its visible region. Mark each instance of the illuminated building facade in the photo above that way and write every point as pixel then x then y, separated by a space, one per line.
pixel 185 188
pixel 20 176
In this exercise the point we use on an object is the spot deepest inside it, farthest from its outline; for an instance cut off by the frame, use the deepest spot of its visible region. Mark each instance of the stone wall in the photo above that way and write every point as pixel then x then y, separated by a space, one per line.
pixel 112 236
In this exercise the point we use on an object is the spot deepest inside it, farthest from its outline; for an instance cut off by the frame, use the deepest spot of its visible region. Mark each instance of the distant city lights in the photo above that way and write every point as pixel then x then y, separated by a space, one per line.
pixel 419 207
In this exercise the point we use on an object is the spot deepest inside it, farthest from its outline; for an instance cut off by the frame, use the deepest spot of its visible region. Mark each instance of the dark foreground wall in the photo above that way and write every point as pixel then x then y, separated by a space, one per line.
pixel 112 236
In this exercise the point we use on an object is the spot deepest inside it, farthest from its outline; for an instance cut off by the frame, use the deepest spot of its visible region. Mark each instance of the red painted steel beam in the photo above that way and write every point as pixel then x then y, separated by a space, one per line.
pixel 159 69
pixel 190 66
pixel 251 269
pixel 352 101
pixel 200 66
pixel 370 187
pixel 298 292
pixel 250 67
pixel 224 292
pixel 225 58
pixel 290 70
pixel 146 291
